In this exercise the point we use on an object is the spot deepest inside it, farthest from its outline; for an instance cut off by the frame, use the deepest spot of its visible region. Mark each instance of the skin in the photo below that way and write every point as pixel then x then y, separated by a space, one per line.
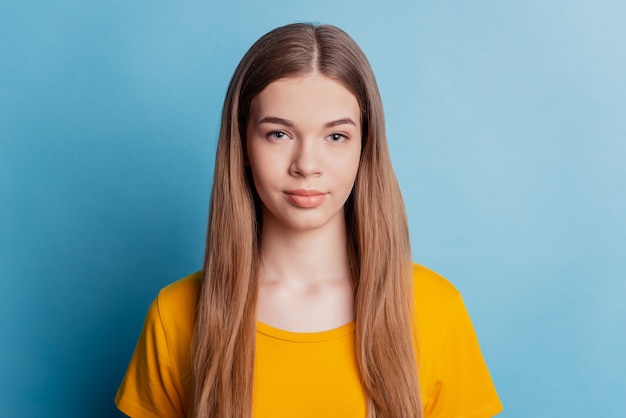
pixel 303 145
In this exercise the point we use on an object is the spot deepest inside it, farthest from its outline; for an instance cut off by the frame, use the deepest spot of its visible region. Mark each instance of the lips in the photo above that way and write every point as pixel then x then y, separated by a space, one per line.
pixel 305 198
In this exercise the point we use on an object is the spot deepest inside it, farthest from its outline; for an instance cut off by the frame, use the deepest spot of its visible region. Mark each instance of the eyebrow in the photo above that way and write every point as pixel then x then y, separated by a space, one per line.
pixel 290 124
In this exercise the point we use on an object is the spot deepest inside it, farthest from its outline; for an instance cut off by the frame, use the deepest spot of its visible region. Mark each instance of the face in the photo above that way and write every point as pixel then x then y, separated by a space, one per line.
pixel 303 144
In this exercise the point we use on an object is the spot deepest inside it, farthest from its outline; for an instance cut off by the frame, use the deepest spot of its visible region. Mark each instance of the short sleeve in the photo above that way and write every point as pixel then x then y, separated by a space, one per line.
pixel 461 386
pixel 151 387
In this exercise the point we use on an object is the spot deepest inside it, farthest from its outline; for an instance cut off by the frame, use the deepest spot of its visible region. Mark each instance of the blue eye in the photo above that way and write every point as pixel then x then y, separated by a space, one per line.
pixel 337 137
pixel 277 135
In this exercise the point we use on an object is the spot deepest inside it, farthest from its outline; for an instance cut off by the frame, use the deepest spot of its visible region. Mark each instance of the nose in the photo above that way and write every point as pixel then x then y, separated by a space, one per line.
pixel 306 159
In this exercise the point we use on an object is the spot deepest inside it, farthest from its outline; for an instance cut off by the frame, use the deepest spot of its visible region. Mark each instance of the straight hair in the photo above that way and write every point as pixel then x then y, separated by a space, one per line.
pixel 223 346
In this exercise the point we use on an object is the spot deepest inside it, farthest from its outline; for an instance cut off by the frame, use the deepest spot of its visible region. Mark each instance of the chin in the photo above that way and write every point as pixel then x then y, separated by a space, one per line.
pixel 306 225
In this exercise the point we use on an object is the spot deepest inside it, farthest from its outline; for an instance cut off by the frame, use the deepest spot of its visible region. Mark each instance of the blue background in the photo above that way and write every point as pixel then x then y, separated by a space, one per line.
pixel 507 125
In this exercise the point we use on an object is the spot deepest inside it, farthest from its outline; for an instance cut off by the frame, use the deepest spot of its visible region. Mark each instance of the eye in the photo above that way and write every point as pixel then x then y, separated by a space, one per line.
pixel 337 137
pixel 277 135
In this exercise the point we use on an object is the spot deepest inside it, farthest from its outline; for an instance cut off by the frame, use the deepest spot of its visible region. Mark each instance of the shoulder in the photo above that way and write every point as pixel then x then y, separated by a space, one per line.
pixel 437 304
pixel 183 291
pixel 433 291
pixel 454 378
pixel 157 378
pixel 175 307
pixel 428 279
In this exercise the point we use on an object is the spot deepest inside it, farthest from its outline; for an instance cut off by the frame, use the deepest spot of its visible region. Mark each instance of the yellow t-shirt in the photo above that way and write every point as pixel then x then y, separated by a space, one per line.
pixel 312 374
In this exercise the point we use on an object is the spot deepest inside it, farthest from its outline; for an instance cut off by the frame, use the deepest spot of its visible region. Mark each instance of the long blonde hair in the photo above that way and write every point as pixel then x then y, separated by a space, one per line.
pixel 224 339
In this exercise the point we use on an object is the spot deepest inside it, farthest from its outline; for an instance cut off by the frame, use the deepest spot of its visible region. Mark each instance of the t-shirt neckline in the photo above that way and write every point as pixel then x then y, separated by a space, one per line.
pixel 305 337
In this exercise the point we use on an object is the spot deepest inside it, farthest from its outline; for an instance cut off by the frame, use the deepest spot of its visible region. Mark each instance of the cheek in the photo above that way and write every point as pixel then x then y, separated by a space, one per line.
pixel 257 162
pixel 263 173
pixel 350 164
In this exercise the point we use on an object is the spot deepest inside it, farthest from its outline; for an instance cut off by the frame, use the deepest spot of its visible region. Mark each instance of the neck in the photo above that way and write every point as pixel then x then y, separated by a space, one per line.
pixel 304 257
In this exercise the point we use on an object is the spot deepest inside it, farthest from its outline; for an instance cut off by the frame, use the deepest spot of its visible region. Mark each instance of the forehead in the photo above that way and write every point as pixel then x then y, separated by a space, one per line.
pixel 305 98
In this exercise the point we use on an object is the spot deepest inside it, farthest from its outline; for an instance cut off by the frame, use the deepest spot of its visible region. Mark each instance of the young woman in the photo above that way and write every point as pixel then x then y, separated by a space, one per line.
pixel 308 304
